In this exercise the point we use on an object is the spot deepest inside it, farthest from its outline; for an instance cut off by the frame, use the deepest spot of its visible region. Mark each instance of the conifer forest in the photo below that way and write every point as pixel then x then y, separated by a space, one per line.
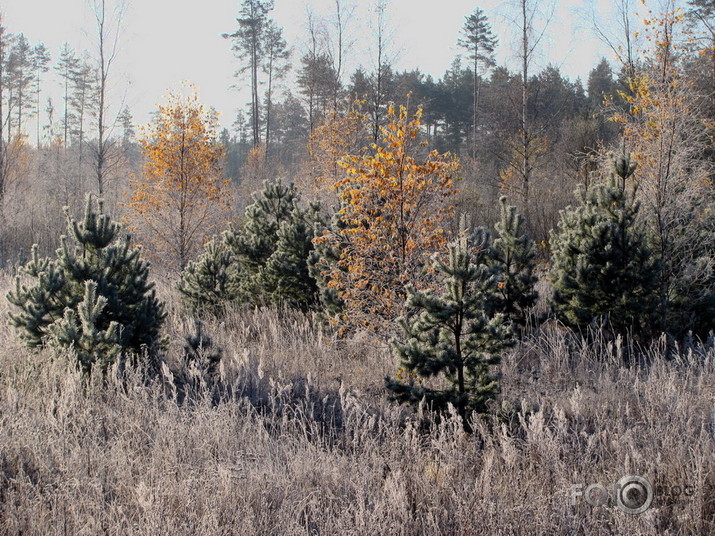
pixel 357 296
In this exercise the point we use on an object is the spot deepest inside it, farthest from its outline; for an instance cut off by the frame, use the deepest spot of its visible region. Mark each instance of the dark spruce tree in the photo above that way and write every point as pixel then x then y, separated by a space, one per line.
pixel 513 254
pixel 456 335
pixel 602 268
pixel 200 370
pixel 94 297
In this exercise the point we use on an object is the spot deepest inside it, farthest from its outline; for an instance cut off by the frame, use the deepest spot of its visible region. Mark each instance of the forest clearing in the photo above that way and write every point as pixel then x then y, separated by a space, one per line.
pixel 378 300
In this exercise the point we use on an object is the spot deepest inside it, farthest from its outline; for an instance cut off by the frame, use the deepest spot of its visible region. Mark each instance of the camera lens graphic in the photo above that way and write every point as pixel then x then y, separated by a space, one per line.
pixel 635 494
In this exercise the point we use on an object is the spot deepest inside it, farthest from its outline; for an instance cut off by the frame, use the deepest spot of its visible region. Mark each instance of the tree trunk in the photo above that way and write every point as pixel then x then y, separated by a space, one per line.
pixel 525 136
pixel 254 87
pixel 2 90
pixel 268 105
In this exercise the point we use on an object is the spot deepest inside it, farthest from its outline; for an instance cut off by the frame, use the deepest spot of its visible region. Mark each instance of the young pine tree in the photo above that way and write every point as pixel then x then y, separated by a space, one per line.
pixel 456 335
pixel 513 254
pixel 94 297
pixel 253 243
pixel 323 261
pixel 264 260
pixel 601 264
pixel 211 282
pixel 286 276
pixel 79 329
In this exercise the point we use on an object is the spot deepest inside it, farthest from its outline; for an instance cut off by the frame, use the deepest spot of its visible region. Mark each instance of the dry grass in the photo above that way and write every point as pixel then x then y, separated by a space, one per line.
pixel 300 440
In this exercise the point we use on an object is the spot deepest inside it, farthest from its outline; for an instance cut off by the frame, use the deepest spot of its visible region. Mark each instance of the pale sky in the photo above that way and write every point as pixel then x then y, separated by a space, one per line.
pixel 165 42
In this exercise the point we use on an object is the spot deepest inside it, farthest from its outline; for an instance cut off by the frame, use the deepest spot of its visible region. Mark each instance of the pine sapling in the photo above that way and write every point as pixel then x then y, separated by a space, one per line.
pixel 513 254
pixel 79 331
pixel 262 261
pixel 98 280
pixel 211 282
pixel 602 267
pixel 456 335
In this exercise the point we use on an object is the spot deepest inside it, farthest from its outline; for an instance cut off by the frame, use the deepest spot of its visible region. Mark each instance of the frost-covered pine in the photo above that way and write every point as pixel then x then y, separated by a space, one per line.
pixel 602 267
pixel 513 254
pixel 80 330
pixel 96 281
pixel 456 335
pixel 322 261
pixel 253 242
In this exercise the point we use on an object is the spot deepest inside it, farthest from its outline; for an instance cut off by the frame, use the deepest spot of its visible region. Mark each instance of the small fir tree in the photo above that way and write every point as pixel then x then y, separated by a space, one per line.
pixel 94 295
pixel 456 335
pixel 199 373
pixel 255 241
pixel 513 254
pixel 601 264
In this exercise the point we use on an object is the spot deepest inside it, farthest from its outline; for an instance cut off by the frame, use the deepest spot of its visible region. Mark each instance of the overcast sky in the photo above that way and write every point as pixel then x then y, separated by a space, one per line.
pixel 165 42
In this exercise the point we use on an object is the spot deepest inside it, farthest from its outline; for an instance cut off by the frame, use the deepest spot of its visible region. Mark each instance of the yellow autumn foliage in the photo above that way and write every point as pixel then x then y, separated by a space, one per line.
pixel 181 198
pixel 395 206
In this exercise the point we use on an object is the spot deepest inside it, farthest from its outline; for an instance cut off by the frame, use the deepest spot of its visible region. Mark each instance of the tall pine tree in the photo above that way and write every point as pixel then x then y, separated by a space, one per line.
pixel 479 42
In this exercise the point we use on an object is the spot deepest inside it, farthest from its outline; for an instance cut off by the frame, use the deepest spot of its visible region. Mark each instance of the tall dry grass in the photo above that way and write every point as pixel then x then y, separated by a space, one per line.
pixel 298 439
